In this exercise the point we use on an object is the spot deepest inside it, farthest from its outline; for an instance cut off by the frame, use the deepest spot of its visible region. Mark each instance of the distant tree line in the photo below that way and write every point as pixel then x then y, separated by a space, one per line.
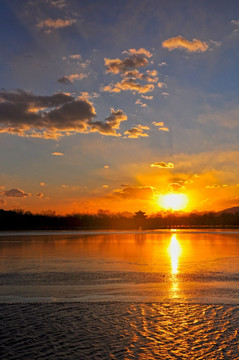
pixel 25 220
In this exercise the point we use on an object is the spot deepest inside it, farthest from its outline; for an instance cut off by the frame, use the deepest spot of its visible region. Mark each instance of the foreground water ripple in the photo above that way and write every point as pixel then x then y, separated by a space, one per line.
pixel 113 330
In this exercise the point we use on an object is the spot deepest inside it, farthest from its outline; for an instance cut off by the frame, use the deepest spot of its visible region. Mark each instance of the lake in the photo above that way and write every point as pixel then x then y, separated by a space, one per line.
pixel 120 295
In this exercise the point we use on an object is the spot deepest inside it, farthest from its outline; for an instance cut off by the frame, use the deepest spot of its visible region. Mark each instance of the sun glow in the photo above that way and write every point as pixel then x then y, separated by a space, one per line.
pixel 173 201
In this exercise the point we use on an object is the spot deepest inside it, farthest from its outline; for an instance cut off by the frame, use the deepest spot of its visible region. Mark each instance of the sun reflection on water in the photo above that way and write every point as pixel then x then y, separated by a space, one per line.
pixel 174 251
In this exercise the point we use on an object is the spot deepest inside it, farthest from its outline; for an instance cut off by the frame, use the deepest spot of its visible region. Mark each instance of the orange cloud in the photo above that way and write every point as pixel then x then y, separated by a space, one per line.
pixel 55 23
pixel 129 85
pixel 137 131
pixel 180 42
pixel 163 165
pixel 136 59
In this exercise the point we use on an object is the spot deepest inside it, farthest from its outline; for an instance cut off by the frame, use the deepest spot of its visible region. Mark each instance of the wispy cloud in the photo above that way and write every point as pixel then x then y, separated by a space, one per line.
pixel 57 154
pixel 50 23
pixel 181 43
pixel 134 192
pixel 15 193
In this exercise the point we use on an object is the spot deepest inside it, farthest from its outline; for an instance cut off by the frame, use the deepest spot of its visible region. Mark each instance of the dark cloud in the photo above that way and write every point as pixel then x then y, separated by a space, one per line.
pixel 135 59
pixel 111 125
pixel 26 114
pixel 15 193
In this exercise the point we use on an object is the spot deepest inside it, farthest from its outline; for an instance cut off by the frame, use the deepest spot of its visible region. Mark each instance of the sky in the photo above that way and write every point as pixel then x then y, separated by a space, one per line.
pixel 112 105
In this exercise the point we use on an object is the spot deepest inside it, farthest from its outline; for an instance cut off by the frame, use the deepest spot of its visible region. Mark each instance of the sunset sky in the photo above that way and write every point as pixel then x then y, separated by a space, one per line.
pixel 112 104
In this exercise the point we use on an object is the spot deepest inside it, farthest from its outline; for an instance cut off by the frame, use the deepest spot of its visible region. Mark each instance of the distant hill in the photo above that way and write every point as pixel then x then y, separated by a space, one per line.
pixel 232 210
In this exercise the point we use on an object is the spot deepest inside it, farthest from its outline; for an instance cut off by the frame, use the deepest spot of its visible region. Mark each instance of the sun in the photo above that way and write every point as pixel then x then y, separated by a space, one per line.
pixel 173 201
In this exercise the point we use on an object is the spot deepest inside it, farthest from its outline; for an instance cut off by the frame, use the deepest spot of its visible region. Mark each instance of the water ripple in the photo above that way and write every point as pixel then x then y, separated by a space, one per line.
pixel 114 330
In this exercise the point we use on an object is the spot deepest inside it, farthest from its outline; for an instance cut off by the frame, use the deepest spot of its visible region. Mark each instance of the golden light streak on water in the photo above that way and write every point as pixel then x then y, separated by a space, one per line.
pixel 175 251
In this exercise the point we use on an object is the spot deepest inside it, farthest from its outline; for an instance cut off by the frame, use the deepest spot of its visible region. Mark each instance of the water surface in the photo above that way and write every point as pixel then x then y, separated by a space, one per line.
pixel 183 266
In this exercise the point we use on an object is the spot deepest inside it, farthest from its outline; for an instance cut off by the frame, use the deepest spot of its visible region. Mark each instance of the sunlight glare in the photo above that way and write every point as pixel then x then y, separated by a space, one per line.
pixel 173 201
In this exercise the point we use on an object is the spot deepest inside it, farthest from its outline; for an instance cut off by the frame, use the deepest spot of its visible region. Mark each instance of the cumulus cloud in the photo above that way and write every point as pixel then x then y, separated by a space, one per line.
pixel 54 116
pixel 129 85
pixel 133 192
pixel 135 59
pixel 69 79
pixel 163 165
pixel 15 193
pixel 137 131
pixel 181 43
pixel 50 23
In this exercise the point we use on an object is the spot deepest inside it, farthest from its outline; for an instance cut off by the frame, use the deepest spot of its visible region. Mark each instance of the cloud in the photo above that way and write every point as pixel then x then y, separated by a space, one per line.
pixel 235 22
pixel 147 97
pixel 2 202
pixel 40 195
pixel 69 79
pixel 15 193
pixel 112 123
pixel 163 63
pixel 129 85
pixel 136 59
pixel 163 165
pixel 181 43
pixel 137 131
pixel 51 117
pixel 106 167
pixel 57 154
pixel 215 186
pixel 150 75
pixel 133 192
pixel 139 102
pixel 50 23
pixel 175 187
pixel 42 183
pixel 161 126
pixel 57 3
pixel 162 85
